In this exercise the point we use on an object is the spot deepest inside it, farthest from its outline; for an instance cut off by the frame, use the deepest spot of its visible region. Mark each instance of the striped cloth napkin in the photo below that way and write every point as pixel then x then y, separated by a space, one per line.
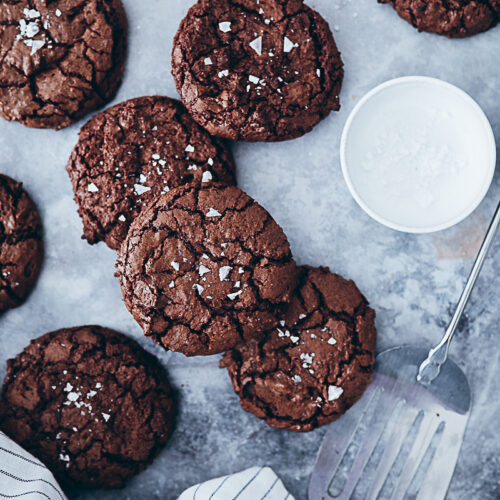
pixel 257 483
pixel 23 476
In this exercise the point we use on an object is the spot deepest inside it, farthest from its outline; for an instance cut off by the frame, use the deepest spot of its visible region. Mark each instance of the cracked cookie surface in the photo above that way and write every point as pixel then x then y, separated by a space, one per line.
pixel 451 18
pixel 129 154
pixel 204 268
pixel 59 59
pixel 21 247
pixel 90 403
pixel 256 71
pixel 312 368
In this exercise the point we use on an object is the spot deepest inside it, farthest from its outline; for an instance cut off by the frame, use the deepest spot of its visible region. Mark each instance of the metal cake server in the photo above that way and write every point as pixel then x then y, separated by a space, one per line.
pixel 403 438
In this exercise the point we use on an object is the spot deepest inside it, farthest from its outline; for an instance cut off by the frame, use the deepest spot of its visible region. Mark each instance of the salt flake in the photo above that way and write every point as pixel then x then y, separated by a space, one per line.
pixel 288 45
pixel 213 213
pixel 257 45
pixel 232 296
pixel 35 45
pixel 140 189
pixel 334 392
pixel 207 176
pixel 224 272
pixel 73 396
pixel 203 270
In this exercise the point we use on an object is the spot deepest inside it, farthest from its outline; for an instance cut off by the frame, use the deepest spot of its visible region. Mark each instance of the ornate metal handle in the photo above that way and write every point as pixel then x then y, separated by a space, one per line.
pixel 431 367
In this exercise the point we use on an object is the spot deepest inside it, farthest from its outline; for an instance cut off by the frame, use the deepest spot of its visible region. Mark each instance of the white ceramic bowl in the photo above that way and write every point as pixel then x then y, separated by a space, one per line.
pixel 418 154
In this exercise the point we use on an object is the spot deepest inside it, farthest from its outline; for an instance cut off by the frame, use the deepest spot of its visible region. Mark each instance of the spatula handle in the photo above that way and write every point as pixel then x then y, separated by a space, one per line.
pixel 431 367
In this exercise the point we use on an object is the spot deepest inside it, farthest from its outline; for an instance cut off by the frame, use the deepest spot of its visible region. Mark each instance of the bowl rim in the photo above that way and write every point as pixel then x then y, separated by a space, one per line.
pixel 489 173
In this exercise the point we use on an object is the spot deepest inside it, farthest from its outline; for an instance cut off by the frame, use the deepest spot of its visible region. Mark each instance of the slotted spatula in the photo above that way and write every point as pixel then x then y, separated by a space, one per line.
pixel 403 438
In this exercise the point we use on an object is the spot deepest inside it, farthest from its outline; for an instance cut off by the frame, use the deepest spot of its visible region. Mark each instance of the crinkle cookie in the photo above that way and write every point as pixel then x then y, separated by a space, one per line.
pixel 90 403
pixel 59 59
pixel 21 247
pixel 204 268
pixel 451 18
pixel 316 364
pixel 129 154
pixel 256 71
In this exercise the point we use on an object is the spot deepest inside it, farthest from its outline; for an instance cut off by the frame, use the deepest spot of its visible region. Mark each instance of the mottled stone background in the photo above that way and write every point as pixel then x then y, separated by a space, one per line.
pixel 412 281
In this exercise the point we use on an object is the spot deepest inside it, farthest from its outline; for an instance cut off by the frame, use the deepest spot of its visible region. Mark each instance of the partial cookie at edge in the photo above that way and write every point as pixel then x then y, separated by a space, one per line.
pixel 21 246
pixel 457 19
pixel 59 61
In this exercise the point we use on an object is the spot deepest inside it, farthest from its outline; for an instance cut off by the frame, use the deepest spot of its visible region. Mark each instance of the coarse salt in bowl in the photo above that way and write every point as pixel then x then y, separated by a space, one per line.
pixel 418 154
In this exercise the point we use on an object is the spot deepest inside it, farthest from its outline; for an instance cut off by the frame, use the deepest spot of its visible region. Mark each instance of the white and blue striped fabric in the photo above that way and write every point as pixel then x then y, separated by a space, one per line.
pixel 257 483
pixel 24 477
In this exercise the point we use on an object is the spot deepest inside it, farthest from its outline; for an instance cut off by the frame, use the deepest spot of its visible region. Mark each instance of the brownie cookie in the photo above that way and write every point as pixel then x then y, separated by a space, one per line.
pixel 59 60
pixel 316 364
pixel 129 154
pixel 256 71
pixel 88 402
pixel 21 247
pixel 452 18
pixel 204 268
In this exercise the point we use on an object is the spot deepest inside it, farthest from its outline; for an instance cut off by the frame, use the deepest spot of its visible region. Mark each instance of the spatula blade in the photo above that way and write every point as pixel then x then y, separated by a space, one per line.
pixel 399 438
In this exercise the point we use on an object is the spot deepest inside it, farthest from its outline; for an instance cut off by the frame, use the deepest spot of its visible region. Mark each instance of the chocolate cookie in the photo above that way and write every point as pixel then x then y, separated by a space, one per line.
pixel 203 269
pixel 59 60
pixel 129 154
pixel 454 19
pixel 256 71
pixel 88 402
pixel 316 364
pixel 21 248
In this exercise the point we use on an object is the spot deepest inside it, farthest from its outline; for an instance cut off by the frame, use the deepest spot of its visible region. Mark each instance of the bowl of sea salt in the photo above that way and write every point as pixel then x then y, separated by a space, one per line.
pixel 418 154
